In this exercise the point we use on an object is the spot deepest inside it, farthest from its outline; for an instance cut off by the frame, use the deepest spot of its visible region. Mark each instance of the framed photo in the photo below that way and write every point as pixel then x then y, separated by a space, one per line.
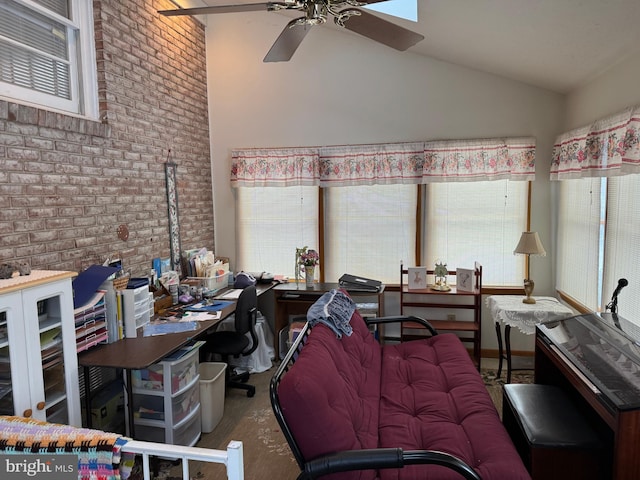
pixel 417 278
pixel 174 224
pixel 464 280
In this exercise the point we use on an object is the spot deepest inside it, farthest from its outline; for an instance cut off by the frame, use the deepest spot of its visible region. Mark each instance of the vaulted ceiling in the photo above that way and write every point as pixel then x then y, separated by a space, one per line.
pixel 554 44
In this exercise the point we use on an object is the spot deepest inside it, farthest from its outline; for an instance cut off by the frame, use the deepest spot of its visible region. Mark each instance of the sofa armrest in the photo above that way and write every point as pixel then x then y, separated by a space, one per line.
pixel 401 319
pixel 380 458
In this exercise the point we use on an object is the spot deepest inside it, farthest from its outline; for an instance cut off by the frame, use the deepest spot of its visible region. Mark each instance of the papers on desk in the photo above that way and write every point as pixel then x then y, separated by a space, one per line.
pixel 232 294
pixel 199 316
pixel 152 329
pixel 207 307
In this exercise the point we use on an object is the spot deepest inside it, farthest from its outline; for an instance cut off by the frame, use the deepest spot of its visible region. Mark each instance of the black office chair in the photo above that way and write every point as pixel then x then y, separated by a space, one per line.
pixel 235 343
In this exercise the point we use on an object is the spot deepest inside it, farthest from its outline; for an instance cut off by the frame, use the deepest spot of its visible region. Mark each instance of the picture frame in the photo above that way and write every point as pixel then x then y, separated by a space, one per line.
pixel 464 279
pixel 417 278
pixel 174 224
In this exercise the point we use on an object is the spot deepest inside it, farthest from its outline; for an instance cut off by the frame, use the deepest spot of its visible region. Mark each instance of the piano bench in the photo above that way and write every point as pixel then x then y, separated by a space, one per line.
pixel 553 439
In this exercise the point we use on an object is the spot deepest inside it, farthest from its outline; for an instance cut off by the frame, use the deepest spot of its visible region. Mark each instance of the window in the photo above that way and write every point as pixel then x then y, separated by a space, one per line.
pixel 477 221
pixel 579 240
pixel 272 222
pixel 369 230
pixel 622 245
pixel 47 54
pixel 598 238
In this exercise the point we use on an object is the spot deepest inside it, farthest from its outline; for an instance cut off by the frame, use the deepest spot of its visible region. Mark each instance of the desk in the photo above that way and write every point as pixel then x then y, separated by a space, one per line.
pixel 296 298
pixel 510 310
pixel 142 352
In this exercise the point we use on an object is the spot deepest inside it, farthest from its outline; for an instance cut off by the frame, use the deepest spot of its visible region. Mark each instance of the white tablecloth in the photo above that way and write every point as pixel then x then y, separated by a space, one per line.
pixel 510 310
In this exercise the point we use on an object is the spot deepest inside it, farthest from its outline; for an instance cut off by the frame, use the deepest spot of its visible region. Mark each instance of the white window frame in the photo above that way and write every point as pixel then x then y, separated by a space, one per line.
pixel 82 58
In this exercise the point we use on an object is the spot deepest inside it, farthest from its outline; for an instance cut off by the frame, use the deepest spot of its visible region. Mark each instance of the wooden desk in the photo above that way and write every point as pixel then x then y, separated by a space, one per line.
pixel 138 353
pixel 142 352
pixel 295 299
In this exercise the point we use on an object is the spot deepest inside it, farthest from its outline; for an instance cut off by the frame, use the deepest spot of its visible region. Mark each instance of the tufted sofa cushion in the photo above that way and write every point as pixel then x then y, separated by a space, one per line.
pixel 432 398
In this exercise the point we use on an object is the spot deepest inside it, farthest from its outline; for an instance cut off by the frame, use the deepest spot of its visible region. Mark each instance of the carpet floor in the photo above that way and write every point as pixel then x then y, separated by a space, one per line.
pixel 266 453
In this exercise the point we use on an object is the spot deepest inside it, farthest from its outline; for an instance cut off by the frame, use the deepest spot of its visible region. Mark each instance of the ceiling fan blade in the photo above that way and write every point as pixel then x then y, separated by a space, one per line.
pixel 249 7
pixel 378 29
pixel 288 42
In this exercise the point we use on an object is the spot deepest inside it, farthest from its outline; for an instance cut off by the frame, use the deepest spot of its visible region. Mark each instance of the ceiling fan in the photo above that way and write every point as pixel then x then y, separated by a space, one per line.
pixel 316 12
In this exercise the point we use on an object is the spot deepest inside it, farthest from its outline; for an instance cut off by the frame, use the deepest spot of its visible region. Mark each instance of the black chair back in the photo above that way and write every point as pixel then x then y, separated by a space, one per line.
pixel 246 315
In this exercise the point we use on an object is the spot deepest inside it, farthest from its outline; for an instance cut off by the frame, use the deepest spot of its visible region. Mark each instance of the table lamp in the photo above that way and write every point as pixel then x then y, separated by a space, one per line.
pixel 528 245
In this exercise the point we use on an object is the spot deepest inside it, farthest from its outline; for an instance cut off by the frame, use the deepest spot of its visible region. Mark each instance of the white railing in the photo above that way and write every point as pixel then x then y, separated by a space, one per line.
pixel 232 458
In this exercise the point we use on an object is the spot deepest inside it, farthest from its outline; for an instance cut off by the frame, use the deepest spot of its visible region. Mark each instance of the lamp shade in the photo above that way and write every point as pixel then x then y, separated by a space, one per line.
pixel 530 244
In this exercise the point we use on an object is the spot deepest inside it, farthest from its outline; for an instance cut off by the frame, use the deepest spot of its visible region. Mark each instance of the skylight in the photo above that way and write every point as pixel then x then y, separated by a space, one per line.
pixel 407 9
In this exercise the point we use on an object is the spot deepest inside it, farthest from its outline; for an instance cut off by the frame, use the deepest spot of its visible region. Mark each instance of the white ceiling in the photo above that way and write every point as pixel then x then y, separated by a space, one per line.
pixel 554 44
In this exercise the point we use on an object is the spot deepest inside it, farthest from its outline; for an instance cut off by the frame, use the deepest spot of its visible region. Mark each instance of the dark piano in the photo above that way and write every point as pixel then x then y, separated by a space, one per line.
pixel 595 358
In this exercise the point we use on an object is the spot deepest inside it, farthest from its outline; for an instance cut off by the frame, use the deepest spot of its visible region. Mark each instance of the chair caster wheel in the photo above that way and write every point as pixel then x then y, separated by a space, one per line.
pixel 251 393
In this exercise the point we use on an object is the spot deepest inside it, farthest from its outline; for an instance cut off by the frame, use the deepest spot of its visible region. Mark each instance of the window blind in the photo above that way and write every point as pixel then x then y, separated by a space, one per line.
pixel 477 221
pixel 272 222
pixel 622 245
pixel 33 51
pixel 580 219
pixel 369 230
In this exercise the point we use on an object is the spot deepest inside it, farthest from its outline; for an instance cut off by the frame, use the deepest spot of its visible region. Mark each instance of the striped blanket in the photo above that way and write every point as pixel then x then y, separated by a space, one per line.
pixel 99 453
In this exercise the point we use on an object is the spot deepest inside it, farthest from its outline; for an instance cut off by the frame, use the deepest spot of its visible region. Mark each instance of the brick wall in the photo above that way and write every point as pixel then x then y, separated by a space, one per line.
pixel 67 184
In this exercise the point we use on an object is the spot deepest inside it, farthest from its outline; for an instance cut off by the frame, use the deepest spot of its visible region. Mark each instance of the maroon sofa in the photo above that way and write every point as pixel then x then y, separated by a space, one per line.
pixel 354 409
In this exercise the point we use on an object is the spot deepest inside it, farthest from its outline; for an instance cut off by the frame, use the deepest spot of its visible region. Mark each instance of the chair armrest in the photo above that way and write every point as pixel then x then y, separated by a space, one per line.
pixel 380 458
pixel 401 319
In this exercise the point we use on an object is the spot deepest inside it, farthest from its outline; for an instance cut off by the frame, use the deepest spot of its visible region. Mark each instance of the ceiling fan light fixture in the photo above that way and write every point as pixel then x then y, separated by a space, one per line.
pixel 343 16
pixel 316 13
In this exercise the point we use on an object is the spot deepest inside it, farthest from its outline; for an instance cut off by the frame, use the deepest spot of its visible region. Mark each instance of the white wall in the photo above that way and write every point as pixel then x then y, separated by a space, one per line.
pixel 609 93
pixel 341 88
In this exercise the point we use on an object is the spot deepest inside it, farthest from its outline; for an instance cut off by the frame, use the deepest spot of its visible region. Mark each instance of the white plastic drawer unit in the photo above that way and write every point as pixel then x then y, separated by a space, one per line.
pixel 152 406
pixel 136 309
pixel 175 373
pixel 166 399
pixel 185 433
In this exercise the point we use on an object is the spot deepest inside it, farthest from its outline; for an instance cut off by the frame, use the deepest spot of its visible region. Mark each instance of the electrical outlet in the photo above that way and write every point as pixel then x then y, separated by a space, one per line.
pixel 451 317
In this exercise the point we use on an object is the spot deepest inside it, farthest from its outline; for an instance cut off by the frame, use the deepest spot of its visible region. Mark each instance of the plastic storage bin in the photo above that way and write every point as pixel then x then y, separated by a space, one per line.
pixel 213 284
pixel 166 399
pixel 212 390
pixel 180 373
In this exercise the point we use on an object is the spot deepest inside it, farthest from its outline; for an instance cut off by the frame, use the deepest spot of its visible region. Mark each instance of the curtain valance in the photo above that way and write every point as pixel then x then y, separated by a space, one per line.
pixel 608 147
pixel 381 164
pixel 479 160
pixel 275 167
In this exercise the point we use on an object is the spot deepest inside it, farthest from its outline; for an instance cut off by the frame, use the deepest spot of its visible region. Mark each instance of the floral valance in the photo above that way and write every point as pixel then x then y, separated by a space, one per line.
pixel 371 164
pixel 380 164
pixel 606 148
pixel 275 167
pixel 477 160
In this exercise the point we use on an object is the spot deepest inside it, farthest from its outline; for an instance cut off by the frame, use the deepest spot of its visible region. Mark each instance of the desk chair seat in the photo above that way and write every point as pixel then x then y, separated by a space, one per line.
pixel 237 343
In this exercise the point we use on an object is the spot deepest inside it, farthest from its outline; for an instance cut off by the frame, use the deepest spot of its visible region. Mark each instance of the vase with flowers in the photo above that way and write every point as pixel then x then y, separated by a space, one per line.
pixel 306 260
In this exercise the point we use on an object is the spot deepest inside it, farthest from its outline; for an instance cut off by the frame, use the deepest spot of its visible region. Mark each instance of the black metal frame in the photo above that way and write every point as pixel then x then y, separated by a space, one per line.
pixel 369 459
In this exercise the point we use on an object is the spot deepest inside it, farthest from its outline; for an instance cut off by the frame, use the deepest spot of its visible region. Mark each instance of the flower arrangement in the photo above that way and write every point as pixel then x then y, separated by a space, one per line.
pixel 307 258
